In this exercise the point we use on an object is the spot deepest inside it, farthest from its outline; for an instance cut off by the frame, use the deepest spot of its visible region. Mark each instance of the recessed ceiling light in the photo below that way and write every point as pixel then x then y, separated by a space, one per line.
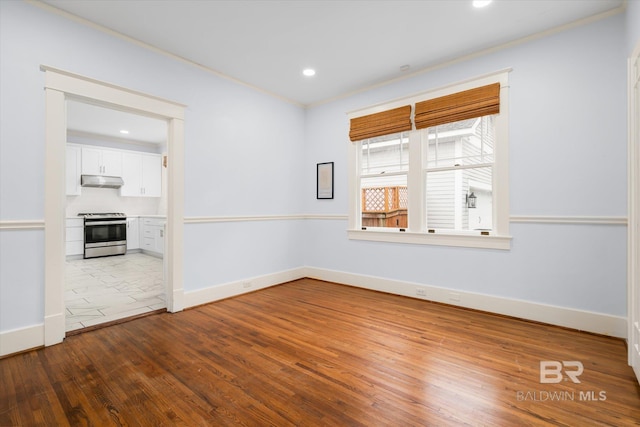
pixel 309 72
pixel 405 68
pixel 481 3
pixel 124 131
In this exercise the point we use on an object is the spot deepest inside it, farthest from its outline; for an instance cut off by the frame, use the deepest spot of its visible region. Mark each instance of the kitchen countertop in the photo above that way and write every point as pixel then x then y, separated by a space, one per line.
pixel 128 216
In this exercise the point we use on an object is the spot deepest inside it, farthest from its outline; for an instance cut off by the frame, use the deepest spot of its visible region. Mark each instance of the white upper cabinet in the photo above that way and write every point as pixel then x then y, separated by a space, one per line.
pixel 73 169
pixel 141 173
pixel 152 175
pixel 131 175
pixel 98 161
pixel 91 161
pixel 112 163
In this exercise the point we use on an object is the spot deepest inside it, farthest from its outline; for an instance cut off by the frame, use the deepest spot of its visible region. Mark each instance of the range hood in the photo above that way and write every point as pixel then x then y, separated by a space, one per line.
pixel 101 181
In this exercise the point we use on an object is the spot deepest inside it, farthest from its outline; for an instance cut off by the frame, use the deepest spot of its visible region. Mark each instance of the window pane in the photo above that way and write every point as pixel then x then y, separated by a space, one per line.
pixel 448 194
pixel 389 153
pixel 467 142
pixel 384 201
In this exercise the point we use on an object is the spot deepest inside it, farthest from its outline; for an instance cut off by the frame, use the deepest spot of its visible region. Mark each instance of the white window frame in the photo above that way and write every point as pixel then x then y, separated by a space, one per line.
pixel 417 233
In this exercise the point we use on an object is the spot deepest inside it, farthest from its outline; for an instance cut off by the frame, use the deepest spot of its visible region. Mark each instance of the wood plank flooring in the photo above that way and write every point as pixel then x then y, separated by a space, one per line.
pixel 311 353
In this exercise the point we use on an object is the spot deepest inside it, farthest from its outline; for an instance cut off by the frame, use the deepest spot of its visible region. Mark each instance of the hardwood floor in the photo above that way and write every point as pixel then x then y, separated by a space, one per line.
pixel 311 353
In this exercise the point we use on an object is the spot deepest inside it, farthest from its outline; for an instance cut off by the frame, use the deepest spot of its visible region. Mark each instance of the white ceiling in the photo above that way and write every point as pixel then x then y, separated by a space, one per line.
pixel 94 121
pixel 351 44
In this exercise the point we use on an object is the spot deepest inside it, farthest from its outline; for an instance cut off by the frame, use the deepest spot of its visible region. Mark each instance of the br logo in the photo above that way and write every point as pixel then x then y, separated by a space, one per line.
pixel 551 371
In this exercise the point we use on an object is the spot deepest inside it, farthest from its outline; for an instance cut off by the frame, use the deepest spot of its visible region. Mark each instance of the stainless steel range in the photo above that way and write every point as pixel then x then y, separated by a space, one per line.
pixel 105 234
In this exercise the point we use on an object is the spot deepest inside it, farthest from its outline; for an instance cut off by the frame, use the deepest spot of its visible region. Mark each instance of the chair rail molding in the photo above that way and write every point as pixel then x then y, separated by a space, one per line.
pixel 558 219
pixel 25 224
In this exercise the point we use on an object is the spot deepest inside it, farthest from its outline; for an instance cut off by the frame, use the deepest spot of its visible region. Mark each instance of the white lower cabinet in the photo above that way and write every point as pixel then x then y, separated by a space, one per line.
pixel 133 234
pixel 74 236
pixel 160 238
pixel 152 234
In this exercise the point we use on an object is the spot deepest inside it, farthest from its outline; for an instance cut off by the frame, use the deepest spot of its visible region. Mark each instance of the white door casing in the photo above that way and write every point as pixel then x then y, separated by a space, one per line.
pixel 633 343
pixel 60 86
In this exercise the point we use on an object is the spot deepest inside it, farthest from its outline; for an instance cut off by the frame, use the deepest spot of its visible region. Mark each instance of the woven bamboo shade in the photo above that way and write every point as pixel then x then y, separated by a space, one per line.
pixel 477 102
pixel 378 124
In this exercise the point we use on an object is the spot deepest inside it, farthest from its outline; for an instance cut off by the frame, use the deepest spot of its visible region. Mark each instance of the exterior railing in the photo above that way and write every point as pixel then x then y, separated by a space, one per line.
pixel 384 206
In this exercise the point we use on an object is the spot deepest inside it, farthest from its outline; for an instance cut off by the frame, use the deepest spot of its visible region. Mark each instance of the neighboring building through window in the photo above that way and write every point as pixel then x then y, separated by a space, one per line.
pixel 458 175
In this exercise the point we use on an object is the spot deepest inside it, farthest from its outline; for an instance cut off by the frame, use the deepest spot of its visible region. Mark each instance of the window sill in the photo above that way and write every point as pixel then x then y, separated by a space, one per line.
pixel 458 240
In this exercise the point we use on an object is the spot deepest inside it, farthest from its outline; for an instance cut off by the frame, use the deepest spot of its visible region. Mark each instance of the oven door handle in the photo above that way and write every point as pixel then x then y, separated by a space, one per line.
pixel 92 223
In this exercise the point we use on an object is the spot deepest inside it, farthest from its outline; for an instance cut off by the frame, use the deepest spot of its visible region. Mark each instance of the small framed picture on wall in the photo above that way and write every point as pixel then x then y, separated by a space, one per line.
pixel 324 180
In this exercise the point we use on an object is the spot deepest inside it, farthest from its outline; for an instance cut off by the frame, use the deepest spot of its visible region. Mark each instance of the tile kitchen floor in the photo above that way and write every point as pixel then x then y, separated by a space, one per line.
pixel 100 290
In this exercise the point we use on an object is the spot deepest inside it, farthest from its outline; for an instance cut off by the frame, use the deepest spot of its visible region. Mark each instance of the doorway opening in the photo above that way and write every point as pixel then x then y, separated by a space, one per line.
pixel 60 88
pixel 115 214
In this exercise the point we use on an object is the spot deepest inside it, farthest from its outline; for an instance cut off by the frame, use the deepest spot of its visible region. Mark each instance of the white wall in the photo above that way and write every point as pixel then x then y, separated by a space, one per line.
pixel 21 278
pixel 567 159
pixel 633 24
pixel 239 143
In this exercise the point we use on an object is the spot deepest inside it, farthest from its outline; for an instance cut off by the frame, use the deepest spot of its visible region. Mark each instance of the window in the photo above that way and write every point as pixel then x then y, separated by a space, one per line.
pixel 383 180
pixel 442 182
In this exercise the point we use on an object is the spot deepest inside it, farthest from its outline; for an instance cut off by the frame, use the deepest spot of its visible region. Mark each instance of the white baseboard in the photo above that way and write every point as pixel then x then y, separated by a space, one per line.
pixel 582 320
pixel 54 329
pixel 17 340
pixel 177 301
pixel 239 287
